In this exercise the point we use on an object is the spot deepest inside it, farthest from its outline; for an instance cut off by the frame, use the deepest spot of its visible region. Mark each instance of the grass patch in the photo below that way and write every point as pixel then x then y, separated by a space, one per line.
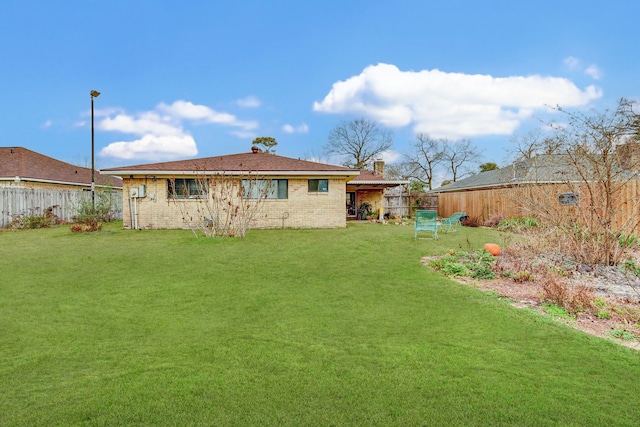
pixel 284 327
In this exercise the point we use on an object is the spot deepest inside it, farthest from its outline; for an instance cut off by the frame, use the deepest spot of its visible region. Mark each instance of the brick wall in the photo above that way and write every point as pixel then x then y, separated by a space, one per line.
pixel 301 209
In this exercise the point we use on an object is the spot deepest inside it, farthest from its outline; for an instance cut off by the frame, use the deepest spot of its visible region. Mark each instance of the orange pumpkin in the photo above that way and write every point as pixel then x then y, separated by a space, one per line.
pixel 492 248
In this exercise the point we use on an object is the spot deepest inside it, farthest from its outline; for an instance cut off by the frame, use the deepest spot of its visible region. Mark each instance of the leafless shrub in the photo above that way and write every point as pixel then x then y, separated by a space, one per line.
pixel 222 205
pixel 470 221
pixel 494 220
pixel 574 299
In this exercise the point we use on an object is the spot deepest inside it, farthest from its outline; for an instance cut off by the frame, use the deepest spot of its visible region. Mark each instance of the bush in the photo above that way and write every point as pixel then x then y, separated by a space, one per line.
pixel 494 220
pixel 470 221
pixel 34 219
pixel 517 225
pixel 573 299
pixel 89 217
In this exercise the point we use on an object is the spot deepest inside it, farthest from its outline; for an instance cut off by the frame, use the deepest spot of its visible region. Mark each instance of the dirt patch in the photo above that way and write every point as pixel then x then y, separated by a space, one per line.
pixel 615 314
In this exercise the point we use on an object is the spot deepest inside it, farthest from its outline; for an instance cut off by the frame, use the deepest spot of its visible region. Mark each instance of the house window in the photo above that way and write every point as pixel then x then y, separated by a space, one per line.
pixel 186 188
pixel 318 186
pixel 265 188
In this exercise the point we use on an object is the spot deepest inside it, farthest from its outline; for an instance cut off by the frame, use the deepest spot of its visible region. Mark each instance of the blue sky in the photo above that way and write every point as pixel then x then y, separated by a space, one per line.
pixel 182 79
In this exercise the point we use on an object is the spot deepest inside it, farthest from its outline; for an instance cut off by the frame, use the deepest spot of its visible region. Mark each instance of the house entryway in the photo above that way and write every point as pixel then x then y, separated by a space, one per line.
pixel 352 209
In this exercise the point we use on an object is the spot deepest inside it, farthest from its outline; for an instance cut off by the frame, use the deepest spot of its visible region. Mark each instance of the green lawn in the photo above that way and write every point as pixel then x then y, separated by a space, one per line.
pixel 284 327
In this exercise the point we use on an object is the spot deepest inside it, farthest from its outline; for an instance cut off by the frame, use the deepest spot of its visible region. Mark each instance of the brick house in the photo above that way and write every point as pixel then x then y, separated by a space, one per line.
pixel 35 184
pixel 305 194
pixel 20 167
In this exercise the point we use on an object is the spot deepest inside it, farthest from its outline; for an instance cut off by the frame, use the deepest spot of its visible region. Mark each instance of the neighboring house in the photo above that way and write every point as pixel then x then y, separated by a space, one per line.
pixel 500 191
pixel 369 187
pixel 32 183
pixel 20 167
pixel 305 194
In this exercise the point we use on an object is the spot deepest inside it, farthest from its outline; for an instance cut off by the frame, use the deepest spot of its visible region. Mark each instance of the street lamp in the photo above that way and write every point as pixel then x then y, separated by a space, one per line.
pixel 94 94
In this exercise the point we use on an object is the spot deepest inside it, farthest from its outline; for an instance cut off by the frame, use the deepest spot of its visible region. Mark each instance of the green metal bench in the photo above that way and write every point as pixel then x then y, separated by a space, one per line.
pixel 453 223
pixel 426 221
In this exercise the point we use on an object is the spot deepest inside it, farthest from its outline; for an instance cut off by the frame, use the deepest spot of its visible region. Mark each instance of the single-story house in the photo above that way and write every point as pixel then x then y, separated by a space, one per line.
pixel 302 194
pixel 20 167
pixel 369 188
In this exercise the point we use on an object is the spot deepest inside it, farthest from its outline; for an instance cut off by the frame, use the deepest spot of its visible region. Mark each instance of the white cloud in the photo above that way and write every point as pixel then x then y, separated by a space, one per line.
pixel 189 111
pixel 153 147
pixel 161 133
pixel 450 105
pixel 249 102
pixel 390 156
pixel 575 64
pixel 303 128
pixel 47 124
pixel 572 63
pixel 594 72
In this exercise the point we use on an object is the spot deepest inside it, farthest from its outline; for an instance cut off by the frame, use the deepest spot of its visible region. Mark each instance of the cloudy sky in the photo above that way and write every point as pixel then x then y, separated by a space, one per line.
pixel 203 78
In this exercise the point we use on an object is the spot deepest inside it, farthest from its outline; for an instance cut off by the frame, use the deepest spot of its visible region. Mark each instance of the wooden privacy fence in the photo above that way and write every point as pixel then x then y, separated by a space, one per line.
pixel 531 200
pixel 15 201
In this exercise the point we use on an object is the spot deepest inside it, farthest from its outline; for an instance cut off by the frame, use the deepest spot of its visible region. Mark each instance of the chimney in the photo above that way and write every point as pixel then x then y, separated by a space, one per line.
pixel 378 168
pixel 629 155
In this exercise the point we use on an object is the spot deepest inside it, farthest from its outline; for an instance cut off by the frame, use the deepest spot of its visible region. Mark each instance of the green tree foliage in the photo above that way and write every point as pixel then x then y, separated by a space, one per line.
pixel 488 166
pixel 268 144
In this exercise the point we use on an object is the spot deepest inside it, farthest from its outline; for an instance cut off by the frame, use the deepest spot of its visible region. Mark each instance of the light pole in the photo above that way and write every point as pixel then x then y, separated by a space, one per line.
pixel 94 94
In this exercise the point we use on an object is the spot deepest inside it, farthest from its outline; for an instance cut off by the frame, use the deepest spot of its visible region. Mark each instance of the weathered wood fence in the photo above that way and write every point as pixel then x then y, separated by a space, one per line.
pixel 15 201
pixel 405 204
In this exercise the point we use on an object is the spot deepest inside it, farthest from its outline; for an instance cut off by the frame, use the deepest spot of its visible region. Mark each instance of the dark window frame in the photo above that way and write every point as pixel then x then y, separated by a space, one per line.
pixel 318 185
pixel 186 189
pixel 268 189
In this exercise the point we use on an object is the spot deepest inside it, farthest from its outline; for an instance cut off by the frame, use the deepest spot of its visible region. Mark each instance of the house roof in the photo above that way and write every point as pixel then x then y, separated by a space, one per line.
pixel 542 169
pixel 236 164
pixel 374 180
pixel 21 164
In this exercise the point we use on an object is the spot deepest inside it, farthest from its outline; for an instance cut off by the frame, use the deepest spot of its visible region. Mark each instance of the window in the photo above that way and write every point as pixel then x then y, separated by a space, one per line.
pixel 265 188
pixel 186 188
pixel 318 186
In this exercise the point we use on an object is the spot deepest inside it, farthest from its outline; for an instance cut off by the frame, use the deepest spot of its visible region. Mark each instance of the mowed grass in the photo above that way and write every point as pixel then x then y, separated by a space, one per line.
pixel 284 327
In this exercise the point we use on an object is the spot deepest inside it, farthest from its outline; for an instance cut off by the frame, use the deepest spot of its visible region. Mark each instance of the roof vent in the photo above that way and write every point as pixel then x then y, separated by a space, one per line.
pixel 254 149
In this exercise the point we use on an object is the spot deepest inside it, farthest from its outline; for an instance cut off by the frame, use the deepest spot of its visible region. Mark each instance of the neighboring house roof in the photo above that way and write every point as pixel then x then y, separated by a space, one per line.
pixel 543 169
pixel 21 164
pixel 373 180
pixel 236 164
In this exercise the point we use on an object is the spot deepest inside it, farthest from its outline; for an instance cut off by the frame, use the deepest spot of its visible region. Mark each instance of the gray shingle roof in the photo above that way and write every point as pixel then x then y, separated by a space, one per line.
pixel 548 168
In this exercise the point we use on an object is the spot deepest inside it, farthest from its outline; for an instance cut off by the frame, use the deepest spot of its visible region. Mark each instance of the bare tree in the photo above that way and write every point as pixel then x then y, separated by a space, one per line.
pixel 219 205
pixel 360 141
pixel 459 156
pixel 533 143
pixel 427 153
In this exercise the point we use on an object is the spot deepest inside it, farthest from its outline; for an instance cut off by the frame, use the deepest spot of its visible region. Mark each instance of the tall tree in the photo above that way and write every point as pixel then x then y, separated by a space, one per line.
pixel 360 141
pixel 268 144
pixel 427 154
pixel 459 156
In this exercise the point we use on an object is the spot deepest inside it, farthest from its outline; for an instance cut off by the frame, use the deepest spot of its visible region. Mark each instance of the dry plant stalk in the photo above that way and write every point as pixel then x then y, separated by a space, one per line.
pixel 226 205
pixel 600 167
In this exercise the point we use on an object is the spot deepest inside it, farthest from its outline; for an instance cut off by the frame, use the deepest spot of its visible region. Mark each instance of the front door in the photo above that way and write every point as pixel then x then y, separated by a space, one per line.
pixel 351 204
